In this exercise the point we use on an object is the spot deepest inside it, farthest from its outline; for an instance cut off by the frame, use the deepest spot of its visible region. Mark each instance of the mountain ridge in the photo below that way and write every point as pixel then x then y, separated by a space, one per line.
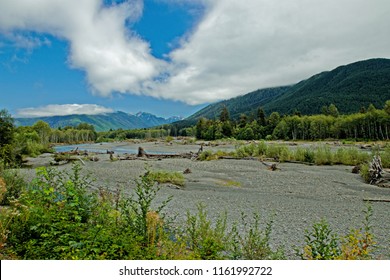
pixel 102 122
pixel 350 87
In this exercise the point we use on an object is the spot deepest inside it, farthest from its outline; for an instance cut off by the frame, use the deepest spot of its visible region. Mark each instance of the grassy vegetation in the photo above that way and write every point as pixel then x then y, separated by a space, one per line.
pixel 59 216
pixel 319 155
pixel 163 176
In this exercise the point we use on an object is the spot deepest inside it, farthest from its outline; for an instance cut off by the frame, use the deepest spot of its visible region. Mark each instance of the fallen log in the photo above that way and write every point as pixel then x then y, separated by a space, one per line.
pixel 142 154
pixel 271 166
pixel 375 200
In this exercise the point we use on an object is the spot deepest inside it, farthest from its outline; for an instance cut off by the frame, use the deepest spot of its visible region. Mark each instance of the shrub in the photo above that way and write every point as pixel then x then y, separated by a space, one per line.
pixel 359 243
pixel 365 172
pixel 206 241
pixel 321 243
pixel 252 242
pixel 261 148
pixel 55 211
pixel 280 152
pixel 350 156
pixel 10 186
pixel 385 157
pixel 323 156
pixel 246 150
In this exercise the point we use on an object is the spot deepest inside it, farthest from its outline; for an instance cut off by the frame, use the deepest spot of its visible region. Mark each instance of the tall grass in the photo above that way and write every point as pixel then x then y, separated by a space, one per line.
pixel 319 155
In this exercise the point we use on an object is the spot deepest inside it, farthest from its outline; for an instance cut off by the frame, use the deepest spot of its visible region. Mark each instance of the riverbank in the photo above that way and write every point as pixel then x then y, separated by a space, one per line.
pixel 294 197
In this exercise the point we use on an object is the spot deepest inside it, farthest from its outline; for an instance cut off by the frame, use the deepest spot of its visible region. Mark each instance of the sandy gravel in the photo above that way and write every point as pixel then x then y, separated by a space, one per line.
pixel 295 196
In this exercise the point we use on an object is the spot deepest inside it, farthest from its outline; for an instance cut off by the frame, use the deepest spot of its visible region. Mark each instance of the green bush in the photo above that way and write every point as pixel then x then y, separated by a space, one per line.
pixel 365 172
pixel 321 243
pixel 204 240
pixel 13 186
pixel 323 156
pixel 253 242
pixel 304 155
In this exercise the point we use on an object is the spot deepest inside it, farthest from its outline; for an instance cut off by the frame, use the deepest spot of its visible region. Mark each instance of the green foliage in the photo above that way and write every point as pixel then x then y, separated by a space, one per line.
pixel 323 155
pixel 359 243
pixel 13 185
pixel 246 239
pixel 162 177
pixel 365 172
pixel 209 155
pixel 54 211
pixel 7 128
pixel 252 242
pixel 321 243
pixel 206 241
pixel 138 210
pixel 304 155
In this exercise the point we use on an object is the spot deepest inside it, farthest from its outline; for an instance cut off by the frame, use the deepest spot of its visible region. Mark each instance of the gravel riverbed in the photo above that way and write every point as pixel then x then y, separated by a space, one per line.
pixel 294 197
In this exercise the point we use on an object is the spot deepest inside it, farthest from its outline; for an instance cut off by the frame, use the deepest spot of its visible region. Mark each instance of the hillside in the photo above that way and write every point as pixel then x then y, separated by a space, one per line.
pixel 349 87
pixel 102 122
pixel 245 103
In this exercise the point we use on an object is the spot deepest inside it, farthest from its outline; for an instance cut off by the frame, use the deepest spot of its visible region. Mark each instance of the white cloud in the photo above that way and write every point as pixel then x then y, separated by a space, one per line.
pixel 63 110
pixel 237 46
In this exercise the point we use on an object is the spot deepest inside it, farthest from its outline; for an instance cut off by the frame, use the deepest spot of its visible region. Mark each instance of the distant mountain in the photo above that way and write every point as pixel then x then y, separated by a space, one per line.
pixel 349 87
pixel 102 122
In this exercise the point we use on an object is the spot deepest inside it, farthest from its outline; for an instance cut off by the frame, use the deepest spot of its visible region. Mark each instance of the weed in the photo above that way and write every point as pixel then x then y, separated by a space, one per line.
pixel 359 243
pixel 365 172
pixel 252 242
pixel 321 243
pixel 207 242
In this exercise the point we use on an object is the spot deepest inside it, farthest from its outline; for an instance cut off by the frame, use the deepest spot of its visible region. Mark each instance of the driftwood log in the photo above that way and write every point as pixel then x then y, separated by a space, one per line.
pixel 142 154
pixel 378 176
pixel 271 166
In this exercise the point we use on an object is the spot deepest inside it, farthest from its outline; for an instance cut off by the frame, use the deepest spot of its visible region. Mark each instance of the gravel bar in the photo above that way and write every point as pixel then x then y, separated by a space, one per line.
pixel 294 197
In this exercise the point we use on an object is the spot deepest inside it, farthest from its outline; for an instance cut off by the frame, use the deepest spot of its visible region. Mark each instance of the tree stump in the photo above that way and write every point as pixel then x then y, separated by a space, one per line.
pixel 141 152
pixel 376 169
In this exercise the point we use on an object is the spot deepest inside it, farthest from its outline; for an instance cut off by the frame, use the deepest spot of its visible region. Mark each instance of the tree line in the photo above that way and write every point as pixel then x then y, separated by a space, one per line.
pixel 367 124
pixel 16 142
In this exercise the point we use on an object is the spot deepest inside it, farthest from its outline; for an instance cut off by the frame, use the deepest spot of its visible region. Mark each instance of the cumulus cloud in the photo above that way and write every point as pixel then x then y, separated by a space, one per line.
pixel 63 110
pixel 240 46
pixel 236 47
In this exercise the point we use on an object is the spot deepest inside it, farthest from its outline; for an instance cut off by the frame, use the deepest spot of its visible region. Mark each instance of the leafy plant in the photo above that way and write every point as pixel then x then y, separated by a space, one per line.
pixel 321 243
pixel 206 241
pixel 359 243
pixel 11 185
pixel 252 242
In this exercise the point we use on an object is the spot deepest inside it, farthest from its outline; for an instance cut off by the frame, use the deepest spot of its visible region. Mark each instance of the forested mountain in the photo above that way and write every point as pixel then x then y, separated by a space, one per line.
pixel 102 122
pixel 242 104
pixel 349 87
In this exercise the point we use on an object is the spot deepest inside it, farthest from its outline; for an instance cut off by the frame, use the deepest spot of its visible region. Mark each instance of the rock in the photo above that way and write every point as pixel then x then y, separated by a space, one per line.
pixel 187 171
pixel 356 169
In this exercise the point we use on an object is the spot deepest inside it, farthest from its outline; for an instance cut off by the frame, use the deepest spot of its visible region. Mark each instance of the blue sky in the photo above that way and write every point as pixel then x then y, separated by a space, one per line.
pixel 40 75
pixel 173 57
